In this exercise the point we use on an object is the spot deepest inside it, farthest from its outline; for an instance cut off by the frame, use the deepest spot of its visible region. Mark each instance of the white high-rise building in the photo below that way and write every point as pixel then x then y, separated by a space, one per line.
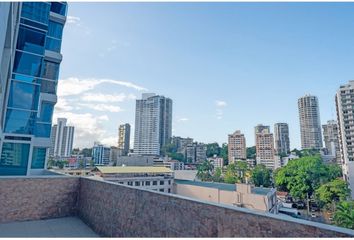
pixel 345 115
pixel 281 137
pixel 310 123
pixel 62 138
pixel 153 124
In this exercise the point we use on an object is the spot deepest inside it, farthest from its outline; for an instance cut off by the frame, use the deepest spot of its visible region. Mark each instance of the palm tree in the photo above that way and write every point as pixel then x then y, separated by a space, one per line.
pixel 204 171
pixel 344 214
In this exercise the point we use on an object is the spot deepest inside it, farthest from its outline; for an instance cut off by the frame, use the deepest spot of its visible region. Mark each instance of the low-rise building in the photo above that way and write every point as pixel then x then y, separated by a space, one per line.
pixel 153 178
pixel 101 154
pixel 241 195
pixel 174 165
pixel 218 162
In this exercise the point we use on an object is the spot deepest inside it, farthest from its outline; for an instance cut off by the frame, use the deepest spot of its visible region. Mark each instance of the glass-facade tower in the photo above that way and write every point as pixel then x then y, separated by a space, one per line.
pixel 30 60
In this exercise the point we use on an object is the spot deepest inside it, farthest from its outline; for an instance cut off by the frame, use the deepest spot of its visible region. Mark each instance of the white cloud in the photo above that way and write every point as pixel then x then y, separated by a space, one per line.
pixel 73 20
pixel 183 119
pixel 110 141
pixel 103 118
pixel 75 86
pixel 99 97
pixel 102 107
pixel 220 103
pixel 62 105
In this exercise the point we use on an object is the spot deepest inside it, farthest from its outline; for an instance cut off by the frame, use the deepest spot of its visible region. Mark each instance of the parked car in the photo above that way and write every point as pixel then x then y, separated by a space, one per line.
pixel 313 215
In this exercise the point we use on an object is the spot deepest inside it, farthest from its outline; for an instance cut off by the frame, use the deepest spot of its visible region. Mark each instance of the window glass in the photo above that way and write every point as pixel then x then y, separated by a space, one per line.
pixel 55 30
pixel 27 64
pixel 42 130
pixel 59 8
pixel 52 44
pixel 31 40
pixel 14 158
pixel 50 70
pixel 19 121
pixel 38 11
pixel 23 95
pixel 25 78
pixel 46 112
pixel 48 86
pixel 38 158
pixel 34 24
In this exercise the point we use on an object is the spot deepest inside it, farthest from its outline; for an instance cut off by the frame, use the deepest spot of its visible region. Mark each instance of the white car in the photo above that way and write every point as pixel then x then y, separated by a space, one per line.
pixel 313 215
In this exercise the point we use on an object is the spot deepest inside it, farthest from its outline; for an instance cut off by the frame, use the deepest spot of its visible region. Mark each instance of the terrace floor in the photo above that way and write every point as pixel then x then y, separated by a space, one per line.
pixel 50 228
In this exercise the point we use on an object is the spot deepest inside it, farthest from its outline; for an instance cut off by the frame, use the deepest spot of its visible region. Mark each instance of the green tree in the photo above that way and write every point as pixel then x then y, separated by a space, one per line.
pixel 332 192
pixel 87 152
pixel 251 152
pixel 236 172
pixel 81 163
pixel 261 176
pixel 344 214
pixel 50 163
pixel 224 153
pixel 217 176
pixel 204 171
pixel 302 176
pixel 212 149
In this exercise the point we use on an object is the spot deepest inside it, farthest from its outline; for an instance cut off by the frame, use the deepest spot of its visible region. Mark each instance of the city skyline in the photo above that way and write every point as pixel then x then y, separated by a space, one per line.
pixel 232 81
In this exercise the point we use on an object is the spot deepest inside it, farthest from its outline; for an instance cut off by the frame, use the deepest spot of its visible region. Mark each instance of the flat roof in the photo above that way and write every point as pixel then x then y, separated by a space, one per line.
pixel 222 186
pixel 134 169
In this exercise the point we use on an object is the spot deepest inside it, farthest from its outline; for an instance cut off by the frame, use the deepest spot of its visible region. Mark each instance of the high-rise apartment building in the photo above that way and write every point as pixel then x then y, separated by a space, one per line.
pixel 265 147
pixel 345 116
pixel 30 42
pixel 62 138
pixel 101 154
pixel 124 138
pixel 330 136
pixel 153 124
pixel 237 147
pixel 281 137
pixel 310 123
pixel 195 152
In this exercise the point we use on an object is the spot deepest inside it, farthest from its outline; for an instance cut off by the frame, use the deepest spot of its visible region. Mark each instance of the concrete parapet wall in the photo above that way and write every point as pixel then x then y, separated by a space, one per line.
pixel 33 198
pixel 113 210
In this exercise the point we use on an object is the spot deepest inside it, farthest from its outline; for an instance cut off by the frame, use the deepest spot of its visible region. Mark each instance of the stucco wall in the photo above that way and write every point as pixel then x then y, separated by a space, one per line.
pixel 23 198
pixel 113 210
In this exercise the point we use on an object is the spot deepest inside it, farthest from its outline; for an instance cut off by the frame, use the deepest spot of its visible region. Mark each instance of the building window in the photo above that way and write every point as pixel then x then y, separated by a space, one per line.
pixel 31 40
pixel 161 190
pixel 55 30
pixel 23 95
pixel 50 70
pixel 48 86
pixel 162 182
pixel 53 44
pixel 14 158
pixel 137 183
pixel 42 130
pixel 154 183
pixel 28 64
pixel 59 8
pixel 19 121
pixel 130 183
pixel 169 190
pixel 147 183
pixel 38 158
pixel 37 11
pixel 169 182
pixel 46 112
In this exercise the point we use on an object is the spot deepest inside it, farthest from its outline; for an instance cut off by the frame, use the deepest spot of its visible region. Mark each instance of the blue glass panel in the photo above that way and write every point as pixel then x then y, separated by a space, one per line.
pixel 55 29
pixel 59 8
pixel 46 112
pixel 38 11
pixel 34 24
pixel 19 121
pixel 38 158
pixel 27 64
pixel 48 86
pixel 50 70
pixel 14 159
pixel 31 40
pixel 23 95
pixel 52 44
pixel 26 78
pixel 43 130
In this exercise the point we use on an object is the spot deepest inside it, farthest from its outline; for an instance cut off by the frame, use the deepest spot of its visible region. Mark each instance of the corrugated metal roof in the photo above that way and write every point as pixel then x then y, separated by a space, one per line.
pixel 133 169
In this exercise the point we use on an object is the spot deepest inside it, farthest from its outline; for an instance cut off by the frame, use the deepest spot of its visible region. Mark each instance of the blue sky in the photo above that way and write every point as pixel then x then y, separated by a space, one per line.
pixel 226 66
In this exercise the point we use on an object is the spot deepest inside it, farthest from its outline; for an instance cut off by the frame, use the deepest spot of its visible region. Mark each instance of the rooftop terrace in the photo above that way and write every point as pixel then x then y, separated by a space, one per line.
pixel 114 210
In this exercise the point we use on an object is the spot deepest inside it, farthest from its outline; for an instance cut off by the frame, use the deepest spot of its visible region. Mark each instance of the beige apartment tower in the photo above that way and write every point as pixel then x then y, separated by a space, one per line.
pixel 265 153
pixel 310 123
pixel 237 146
pixel 124 138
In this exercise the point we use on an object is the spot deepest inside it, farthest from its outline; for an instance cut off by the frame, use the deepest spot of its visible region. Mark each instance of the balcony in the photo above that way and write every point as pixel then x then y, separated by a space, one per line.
pixel 107 209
